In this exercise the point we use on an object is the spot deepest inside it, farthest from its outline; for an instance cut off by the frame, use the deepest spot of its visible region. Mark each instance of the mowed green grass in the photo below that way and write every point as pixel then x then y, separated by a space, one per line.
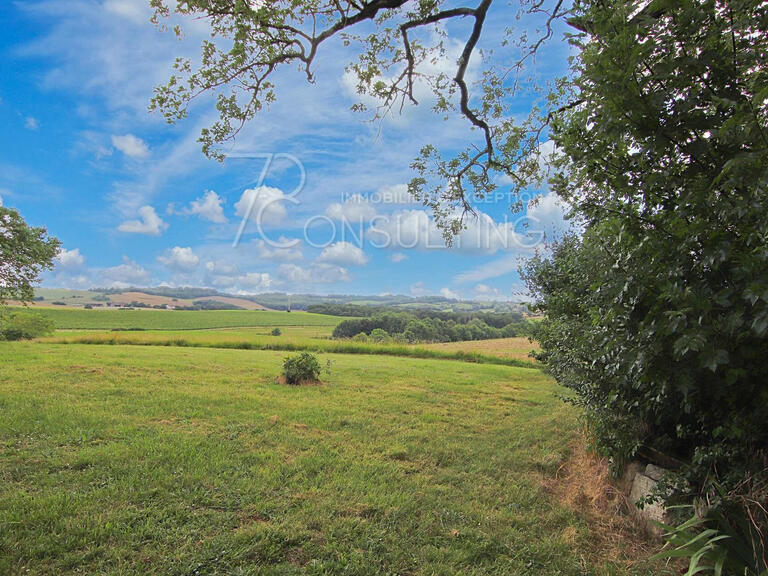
pixel 293 338
pixel 147 319
pixel 149 460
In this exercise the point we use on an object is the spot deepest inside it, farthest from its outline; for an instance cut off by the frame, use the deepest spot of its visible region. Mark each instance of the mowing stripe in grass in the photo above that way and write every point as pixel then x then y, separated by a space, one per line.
pixel 325 346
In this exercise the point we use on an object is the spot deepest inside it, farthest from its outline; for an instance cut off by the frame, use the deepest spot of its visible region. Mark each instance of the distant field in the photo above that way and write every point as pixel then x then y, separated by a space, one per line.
pixel 126 298
pixel 315 339
pixel 518 348
pixel 80 319
pixel 127 460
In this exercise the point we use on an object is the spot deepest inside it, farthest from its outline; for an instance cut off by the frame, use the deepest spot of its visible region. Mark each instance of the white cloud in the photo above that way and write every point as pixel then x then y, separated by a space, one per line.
pixel 180 259
pixel 208 207
pixel 398 257
pixel 396 194
pixel 450 294
pixel 1 200
pixel 484 290
pixel 131 145
pixel 220 268
pixel 547 214
pixel 419 289
pixel 315 274
pixel 255 281
pixel 31 123
pixel 263 205
pixel 127 274
pixel 354 209
pixel 150 223
pixel 415 229
pixel 248 283
pixel 136 12
pixel 286 250
pixel 70 259
pixel 405 229
pixel 343 254
pixel 499 267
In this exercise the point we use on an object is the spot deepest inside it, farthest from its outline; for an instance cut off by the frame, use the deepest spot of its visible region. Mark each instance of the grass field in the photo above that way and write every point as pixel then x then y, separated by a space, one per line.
pixel 294 338
pixel 81 319
pixel 173 450
pixel 125 460
pixel 518 348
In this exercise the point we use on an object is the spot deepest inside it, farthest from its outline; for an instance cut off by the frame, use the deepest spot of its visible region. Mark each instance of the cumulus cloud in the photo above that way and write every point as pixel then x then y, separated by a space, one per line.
pixel 220 268
pixel 343 254
pixel 355 209
pixel 70 259
pixel 548 214
pixel 285 250
pixel 31 123
pixel 208 207
pixel 136 12
pixel 396 194
pixel 248 283
pixel 450 294
pixel 131 145
pixel 180 259
pixel 499 267
pixel 419 289
pixel 264 205
pixel 485 291
pixel 149 223
pixel 405 229
pixel 398 257
pixel 415 229
pixel 127 274
pixel 314 274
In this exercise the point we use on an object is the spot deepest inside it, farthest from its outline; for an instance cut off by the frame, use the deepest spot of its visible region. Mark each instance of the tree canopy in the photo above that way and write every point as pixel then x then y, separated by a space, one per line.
pixel 24 253
pixel 250 41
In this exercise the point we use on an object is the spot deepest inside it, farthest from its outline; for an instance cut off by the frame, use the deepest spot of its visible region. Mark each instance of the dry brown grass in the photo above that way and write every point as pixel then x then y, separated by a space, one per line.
pixel 616 535
pixel 518 348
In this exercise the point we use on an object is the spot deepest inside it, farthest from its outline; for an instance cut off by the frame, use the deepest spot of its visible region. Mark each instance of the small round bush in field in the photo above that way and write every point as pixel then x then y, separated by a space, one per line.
pixel 304 367
pixel 277 332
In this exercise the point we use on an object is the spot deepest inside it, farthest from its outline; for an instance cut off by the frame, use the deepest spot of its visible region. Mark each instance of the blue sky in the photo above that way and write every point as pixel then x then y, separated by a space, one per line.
pixel 136 203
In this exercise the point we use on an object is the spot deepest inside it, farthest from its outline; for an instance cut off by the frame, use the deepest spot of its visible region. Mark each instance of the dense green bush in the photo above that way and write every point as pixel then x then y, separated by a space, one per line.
pixel 24 325
pixel 301 368
pixel 276 332
pixel 408 327
pixel 657 315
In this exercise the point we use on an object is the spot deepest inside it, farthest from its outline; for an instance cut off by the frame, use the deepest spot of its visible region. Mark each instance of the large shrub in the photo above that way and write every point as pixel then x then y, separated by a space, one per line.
pixel 301 368
pixel 658 315
pixel 24 325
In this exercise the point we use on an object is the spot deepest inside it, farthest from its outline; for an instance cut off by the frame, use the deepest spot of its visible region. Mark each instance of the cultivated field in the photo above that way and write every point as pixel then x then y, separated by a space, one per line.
pixel 147 319
pixel 518 348
pixel 166 459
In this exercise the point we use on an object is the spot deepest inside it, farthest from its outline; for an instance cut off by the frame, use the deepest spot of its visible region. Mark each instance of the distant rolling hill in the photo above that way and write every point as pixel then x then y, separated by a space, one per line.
pixel 80 298
pixel 189 297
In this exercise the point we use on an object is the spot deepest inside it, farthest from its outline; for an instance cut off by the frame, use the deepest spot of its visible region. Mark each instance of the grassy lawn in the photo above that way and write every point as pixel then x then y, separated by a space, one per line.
pixel 148 319
pixel 126 460
pixel 294 338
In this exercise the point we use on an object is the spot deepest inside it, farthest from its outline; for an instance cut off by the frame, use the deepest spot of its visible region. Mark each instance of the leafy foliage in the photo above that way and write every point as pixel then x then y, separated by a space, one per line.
pixel 24 253
pixel 24 325
pixel 423 327
pixel 658 315
pixel 301 368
